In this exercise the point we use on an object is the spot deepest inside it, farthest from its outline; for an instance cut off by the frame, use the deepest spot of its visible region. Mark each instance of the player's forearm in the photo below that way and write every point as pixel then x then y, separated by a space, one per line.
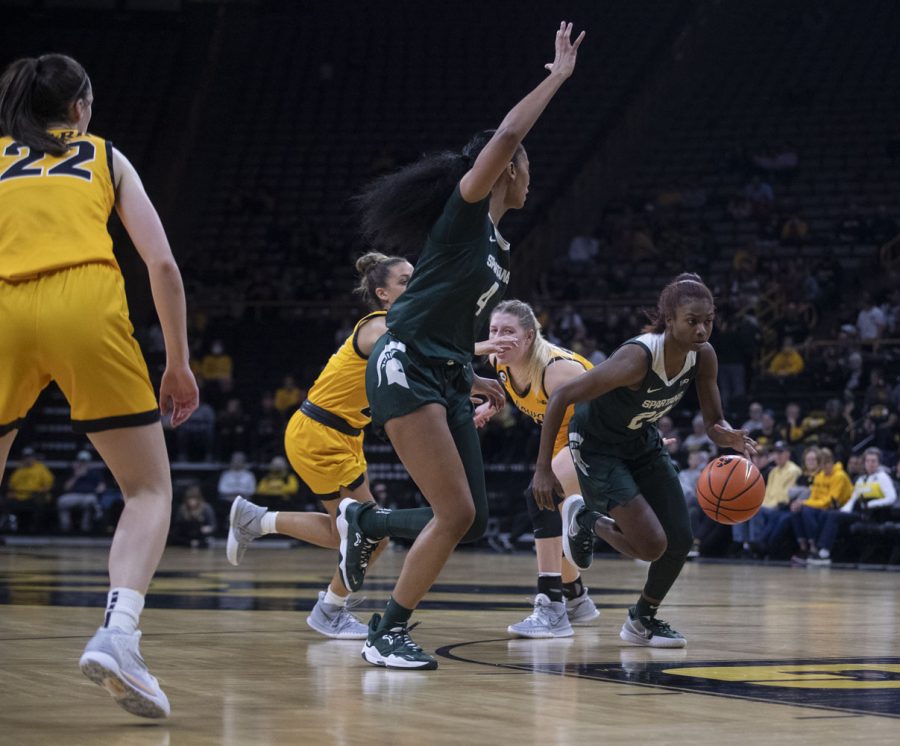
pixel 521 118
pixel 168 298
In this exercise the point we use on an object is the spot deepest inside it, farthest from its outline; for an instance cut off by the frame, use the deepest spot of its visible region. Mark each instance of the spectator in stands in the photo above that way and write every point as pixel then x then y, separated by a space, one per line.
pixel 234 428
pixel 217 367
pixel 728 342
pixel 699 440
pixel 855 467
pixel 569 325
pixel 589 350
pixel 754 421
pixel 878 391
pixel 27 499
pixel 787 362
pixel 831 488
pixel 761 196
pixel 792 324
pixel 688 478
pixel 81 490
pixel 854 373
pixel 268 431
pixel 236 480
pixel 851 226
pixel 873 490
pixel 891 310
pixel 278 488
pixel 791 429
pixel 768 434
pixel 759 534
pixel 195 439
pixel 288 396
pixel 195 520
pixel 583 249
pixel 870 322
pixel 794 231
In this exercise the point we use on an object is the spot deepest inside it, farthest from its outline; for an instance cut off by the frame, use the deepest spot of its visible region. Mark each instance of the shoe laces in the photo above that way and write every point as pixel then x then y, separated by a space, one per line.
pixel 658 626
pixel 402 636
pixel 585 540
pixel 365 552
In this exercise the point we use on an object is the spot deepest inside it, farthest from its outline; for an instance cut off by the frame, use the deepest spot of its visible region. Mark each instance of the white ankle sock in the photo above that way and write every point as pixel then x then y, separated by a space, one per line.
pixel 334 599
pixel 267 522
pixel 123 609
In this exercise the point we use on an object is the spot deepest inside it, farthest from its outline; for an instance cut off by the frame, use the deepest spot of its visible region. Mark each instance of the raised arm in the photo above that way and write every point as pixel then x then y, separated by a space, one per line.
pixel 500 149
pixel 178 390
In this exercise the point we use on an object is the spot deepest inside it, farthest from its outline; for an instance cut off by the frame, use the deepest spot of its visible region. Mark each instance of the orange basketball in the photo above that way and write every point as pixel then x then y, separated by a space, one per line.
pixel 730 489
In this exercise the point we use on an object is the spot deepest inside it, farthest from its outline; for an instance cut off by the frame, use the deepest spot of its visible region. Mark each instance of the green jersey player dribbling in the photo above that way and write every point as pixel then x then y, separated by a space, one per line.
pixel 623 469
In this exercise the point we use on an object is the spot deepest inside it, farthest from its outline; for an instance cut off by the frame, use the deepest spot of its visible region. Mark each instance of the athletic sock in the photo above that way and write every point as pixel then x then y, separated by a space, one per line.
pixel 573 589
pixel 267 522
pixel 401 524
pixel 644 608
pixel 123 609
pixel 395 615
pixel 551 586
pixel 333 598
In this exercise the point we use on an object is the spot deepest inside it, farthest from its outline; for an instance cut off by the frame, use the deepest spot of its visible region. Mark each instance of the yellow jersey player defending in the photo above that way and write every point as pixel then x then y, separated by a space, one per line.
pixel 64 318
pixel 530 372
pixel 324 443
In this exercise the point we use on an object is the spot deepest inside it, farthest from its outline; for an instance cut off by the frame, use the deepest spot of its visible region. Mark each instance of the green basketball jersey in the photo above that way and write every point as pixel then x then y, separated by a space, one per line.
pixel 459 278
pixel 623 415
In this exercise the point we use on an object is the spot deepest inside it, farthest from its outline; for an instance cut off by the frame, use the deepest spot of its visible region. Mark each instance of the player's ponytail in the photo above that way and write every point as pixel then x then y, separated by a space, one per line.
pixel 36 92
pixel 398 210
pixel 687 286
pixel 373 269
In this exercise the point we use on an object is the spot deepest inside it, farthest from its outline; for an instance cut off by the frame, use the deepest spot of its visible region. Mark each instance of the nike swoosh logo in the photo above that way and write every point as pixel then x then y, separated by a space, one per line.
pixel 652 391
pixel 492 239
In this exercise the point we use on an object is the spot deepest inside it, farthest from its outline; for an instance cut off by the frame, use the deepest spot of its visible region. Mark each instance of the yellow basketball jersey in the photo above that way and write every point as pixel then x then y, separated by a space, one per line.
pixel 534 402
pixel 341 386
pixel 54 209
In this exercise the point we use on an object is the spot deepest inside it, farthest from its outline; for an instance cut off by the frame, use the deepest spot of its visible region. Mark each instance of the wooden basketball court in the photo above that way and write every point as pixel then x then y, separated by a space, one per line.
pixel 775 655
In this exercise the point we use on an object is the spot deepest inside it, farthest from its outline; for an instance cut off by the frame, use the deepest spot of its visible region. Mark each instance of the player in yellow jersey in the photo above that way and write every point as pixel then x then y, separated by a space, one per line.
pixel 324 443
pixel 64 318
pixel 530 372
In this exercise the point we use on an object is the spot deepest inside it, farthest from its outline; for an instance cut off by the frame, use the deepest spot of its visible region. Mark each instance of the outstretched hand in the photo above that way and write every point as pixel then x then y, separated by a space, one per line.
pixel 566 51
pixel 737 440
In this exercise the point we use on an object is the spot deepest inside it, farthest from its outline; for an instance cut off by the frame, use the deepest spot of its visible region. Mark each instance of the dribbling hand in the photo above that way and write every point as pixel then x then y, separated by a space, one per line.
pixel 566 51
pixel 737 440
pixel 178 394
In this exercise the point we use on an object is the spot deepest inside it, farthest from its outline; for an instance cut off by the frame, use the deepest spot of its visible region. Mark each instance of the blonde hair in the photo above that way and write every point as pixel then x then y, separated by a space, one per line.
pixel 374 269
pixel 818 454
pixel 541 351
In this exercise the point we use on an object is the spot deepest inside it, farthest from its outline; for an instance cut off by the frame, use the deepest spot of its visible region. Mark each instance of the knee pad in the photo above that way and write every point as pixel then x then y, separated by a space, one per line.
pixel 546 524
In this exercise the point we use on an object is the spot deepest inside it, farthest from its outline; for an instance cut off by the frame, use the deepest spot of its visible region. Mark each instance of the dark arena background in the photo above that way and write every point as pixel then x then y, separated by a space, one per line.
pixel 756 143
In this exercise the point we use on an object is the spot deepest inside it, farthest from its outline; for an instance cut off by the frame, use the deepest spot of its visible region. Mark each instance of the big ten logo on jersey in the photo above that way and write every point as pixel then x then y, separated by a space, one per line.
pixel 26 159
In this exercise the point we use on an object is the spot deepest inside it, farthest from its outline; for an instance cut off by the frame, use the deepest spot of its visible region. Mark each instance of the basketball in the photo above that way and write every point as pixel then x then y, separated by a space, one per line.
pixel 730 489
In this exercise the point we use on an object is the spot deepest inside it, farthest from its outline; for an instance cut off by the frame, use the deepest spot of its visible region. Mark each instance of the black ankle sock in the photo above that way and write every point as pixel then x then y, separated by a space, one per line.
pixel 644 608
pixel 395 615
pixel 551 586
pixel 573 589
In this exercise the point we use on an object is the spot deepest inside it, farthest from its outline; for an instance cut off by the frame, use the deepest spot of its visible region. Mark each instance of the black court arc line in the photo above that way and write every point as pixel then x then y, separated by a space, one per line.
pixel 447 651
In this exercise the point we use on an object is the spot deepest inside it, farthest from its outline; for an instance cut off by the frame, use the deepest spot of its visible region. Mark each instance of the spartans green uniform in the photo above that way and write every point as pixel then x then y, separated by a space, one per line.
pixel 619 454
pixel 614 440
pixel 425 357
